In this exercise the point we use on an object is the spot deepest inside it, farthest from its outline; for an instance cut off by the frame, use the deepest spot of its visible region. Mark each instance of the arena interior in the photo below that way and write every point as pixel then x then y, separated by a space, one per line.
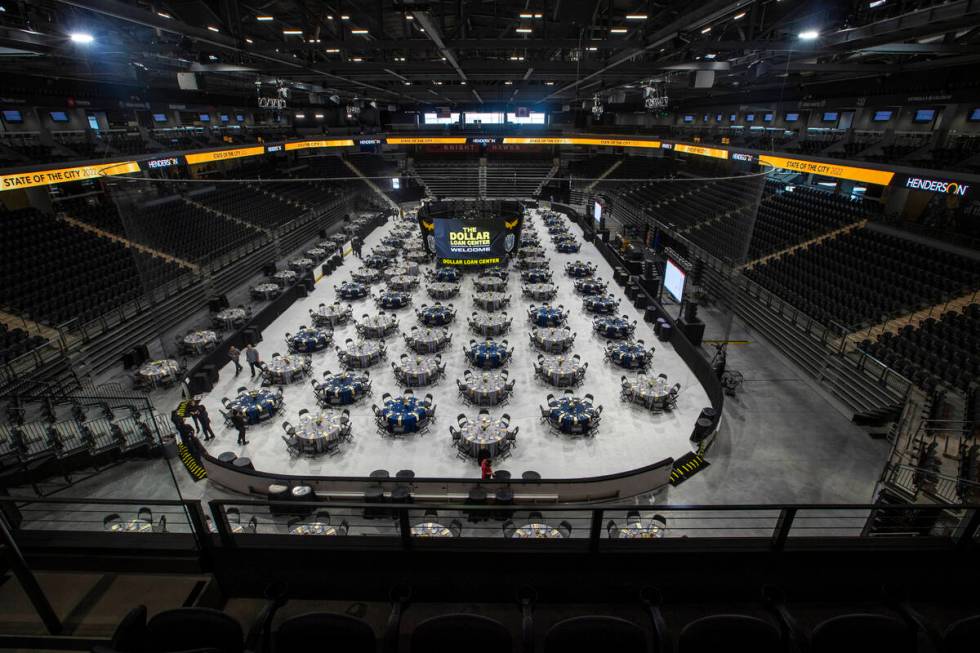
pixel 397 325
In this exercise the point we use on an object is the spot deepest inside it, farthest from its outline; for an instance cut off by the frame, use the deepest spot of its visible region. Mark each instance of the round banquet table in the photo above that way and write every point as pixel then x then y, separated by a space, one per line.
pixel 630 355
pixel 557 228
pixel 417 256
pixel 230 317
pixel 285 277
pixel 647 391
pixel 307 340
pixel 352 290
pixel 531 251
pixel 489 284
pixel 319 431
pixel 579 270
pixel 200 341
pixel 343 389
pixel 436 315
pixel 553 340
pixel 402 282
pixel 394 299
pixel 614 327
pixel 487 388
pixel 540 291
pixel 488 355
pixel 601 304
pixel 446 274
pixel 392 240
pixel 330 314
pixel 561 371
pixel 427 340
pixel 572 415
pixel 160 371
pixel 431 529
pixel 377 326
pixel 442 289
pixel 366 275
pixel 547 316
pixel 361 354
pixel 491 301
pixel 313 528
pixel 637 530
pixel 568 246
pixel 384 250
pixel 409 269
pixel 286 369
pixel 537 532
pixel 536 276
pixel 316 253
pixel 405 414
pixel 490 324
pixel 266 291
pixel 483 433
pixel 301 264
pixel 495 272
pixel 417 371
pixel 590 286
pixel 257 405
pixel 375 261
pixel 534 262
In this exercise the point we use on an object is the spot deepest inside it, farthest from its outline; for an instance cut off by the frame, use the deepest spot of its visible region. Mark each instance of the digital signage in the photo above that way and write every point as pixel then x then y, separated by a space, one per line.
pixel 471 243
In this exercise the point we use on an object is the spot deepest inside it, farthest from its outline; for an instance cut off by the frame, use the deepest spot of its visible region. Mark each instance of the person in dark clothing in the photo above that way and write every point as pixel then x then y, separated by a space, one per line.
pixel 186 432
pixel 486 471
pixel 202 420
pixel 234 354
pixel 238 419
pixel 355 245
pixel 176 418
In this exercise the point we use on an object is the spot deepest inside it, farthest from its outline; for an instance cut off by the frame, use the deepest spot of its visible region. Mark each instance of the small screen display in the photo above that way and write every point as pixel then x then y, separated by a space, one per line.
pixel 750 117
pixel 224 117
pixel 792 117
pixel 159 117
pixel 688 118
pixel 205 117
pixel 674 280
pixel 597 213
pixel 924 115
pixel 830 116
pixel 58 116
pixel 882 116
pixel 767 117
pixel 12 116
pixel 239 117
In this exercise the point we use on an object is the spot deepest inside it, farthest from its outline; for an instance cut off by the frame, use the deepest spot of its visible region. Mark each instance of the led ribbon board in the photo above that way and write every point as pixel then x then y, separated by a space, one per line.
pixel 64 175
pixel 475 243
pixel 851 173
pixel 307 145
pixel 426 141
pixel 604 142
pixel 223 155
pixel 712 152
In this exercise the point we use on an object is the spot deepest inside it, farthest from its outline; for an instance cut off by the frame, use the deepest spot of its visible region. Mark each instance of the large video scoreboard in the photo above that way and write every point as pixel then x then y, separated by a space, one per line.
pixel 471 234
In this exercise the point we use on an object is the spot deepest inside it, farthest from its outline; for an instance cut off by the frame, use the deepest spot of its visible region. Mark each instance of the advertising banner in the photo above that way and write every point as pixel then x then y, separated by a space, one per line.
pixel 851 173
pixel 223 155
pixel 475 243
pixel 63 175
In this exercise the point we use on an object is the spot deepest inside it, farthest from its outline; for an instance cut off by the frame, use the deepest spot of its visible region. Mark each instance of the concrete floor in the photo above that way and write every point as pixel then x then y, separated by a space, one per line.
pixel 784 441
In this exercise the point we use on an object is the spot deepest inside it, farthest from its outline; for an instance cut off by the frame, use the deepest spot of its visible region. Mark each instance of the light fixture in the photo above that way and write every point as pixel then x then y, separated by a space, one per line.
pixel 437 83
pixel 618 30
pixel 549 83
pixel 739 16
pixel 592 48
pixel 636 16
pixel 876 4
pixel 344 17
pixel 211 57
pixel 293 32
pixel 399 58
pixel 463 83
pixel 407 83
pixel 264 19
pixel 213 28
pixel 706 30
pixel 409 17
pixel 358 31
pixel 357 59
pixel 517 58
pixel 710 55
pixel 509 83
pixel 333 50
pixel 809 35
pixel 319 116
pixel 422 29
pixel 81 37
pixel 527 15
pixel 523 30
pixel 163 14
pixel 248 40
pixel 300 115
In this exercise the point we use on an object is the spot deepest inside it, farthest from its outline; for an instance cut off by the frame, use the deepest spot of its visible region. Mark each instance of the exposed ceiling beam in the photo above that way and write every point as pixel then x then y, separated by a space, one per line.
pixel 426 22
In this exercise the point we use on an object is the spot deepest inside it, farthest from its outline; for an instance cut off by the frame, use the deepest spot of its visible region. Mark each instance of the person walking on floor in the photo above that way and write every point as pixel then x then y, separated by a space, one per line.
pixel 356 243
pixel 252 356
pixel 203 421
pixel 234 353
pixel 176 418
pixel 486 471
pixel 238 419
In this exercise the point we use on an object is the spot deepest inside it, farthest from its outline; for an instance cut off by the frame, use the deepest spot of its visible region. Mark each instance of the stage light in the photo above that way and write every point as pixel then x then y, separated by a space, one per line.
pixel 809 35
pixel 81 37
pixel 213 28
pixel 264 19
pixel 333 50
pixel 358 31
pixel 706 30
pixel 300 115
pixel 293 32
pixel 739 16
pixel 636 16
pixel 618 30
pixel 163 14
pixel 523 30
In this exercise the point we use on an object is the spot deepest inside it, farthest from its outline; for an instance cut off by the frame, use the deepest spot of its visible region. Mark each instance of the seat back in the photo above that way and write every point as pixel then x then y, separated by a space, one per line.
pixel 728 632
pixel 189 628
pixel 343 633
pixel 454 632
pixel 863 632
pixel 596 632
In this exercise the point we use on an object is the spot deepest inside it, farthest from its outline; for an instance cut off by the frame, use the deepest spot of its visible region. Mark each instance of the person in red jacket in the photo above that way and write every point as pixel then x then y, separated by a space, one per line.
pixel 485 469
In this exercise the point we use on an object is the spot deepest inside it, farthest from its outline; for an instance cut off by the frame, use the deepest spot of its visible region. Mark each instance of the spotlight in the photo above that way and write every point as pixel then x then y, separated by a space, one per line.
pixel 809 35
pixel 81 37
